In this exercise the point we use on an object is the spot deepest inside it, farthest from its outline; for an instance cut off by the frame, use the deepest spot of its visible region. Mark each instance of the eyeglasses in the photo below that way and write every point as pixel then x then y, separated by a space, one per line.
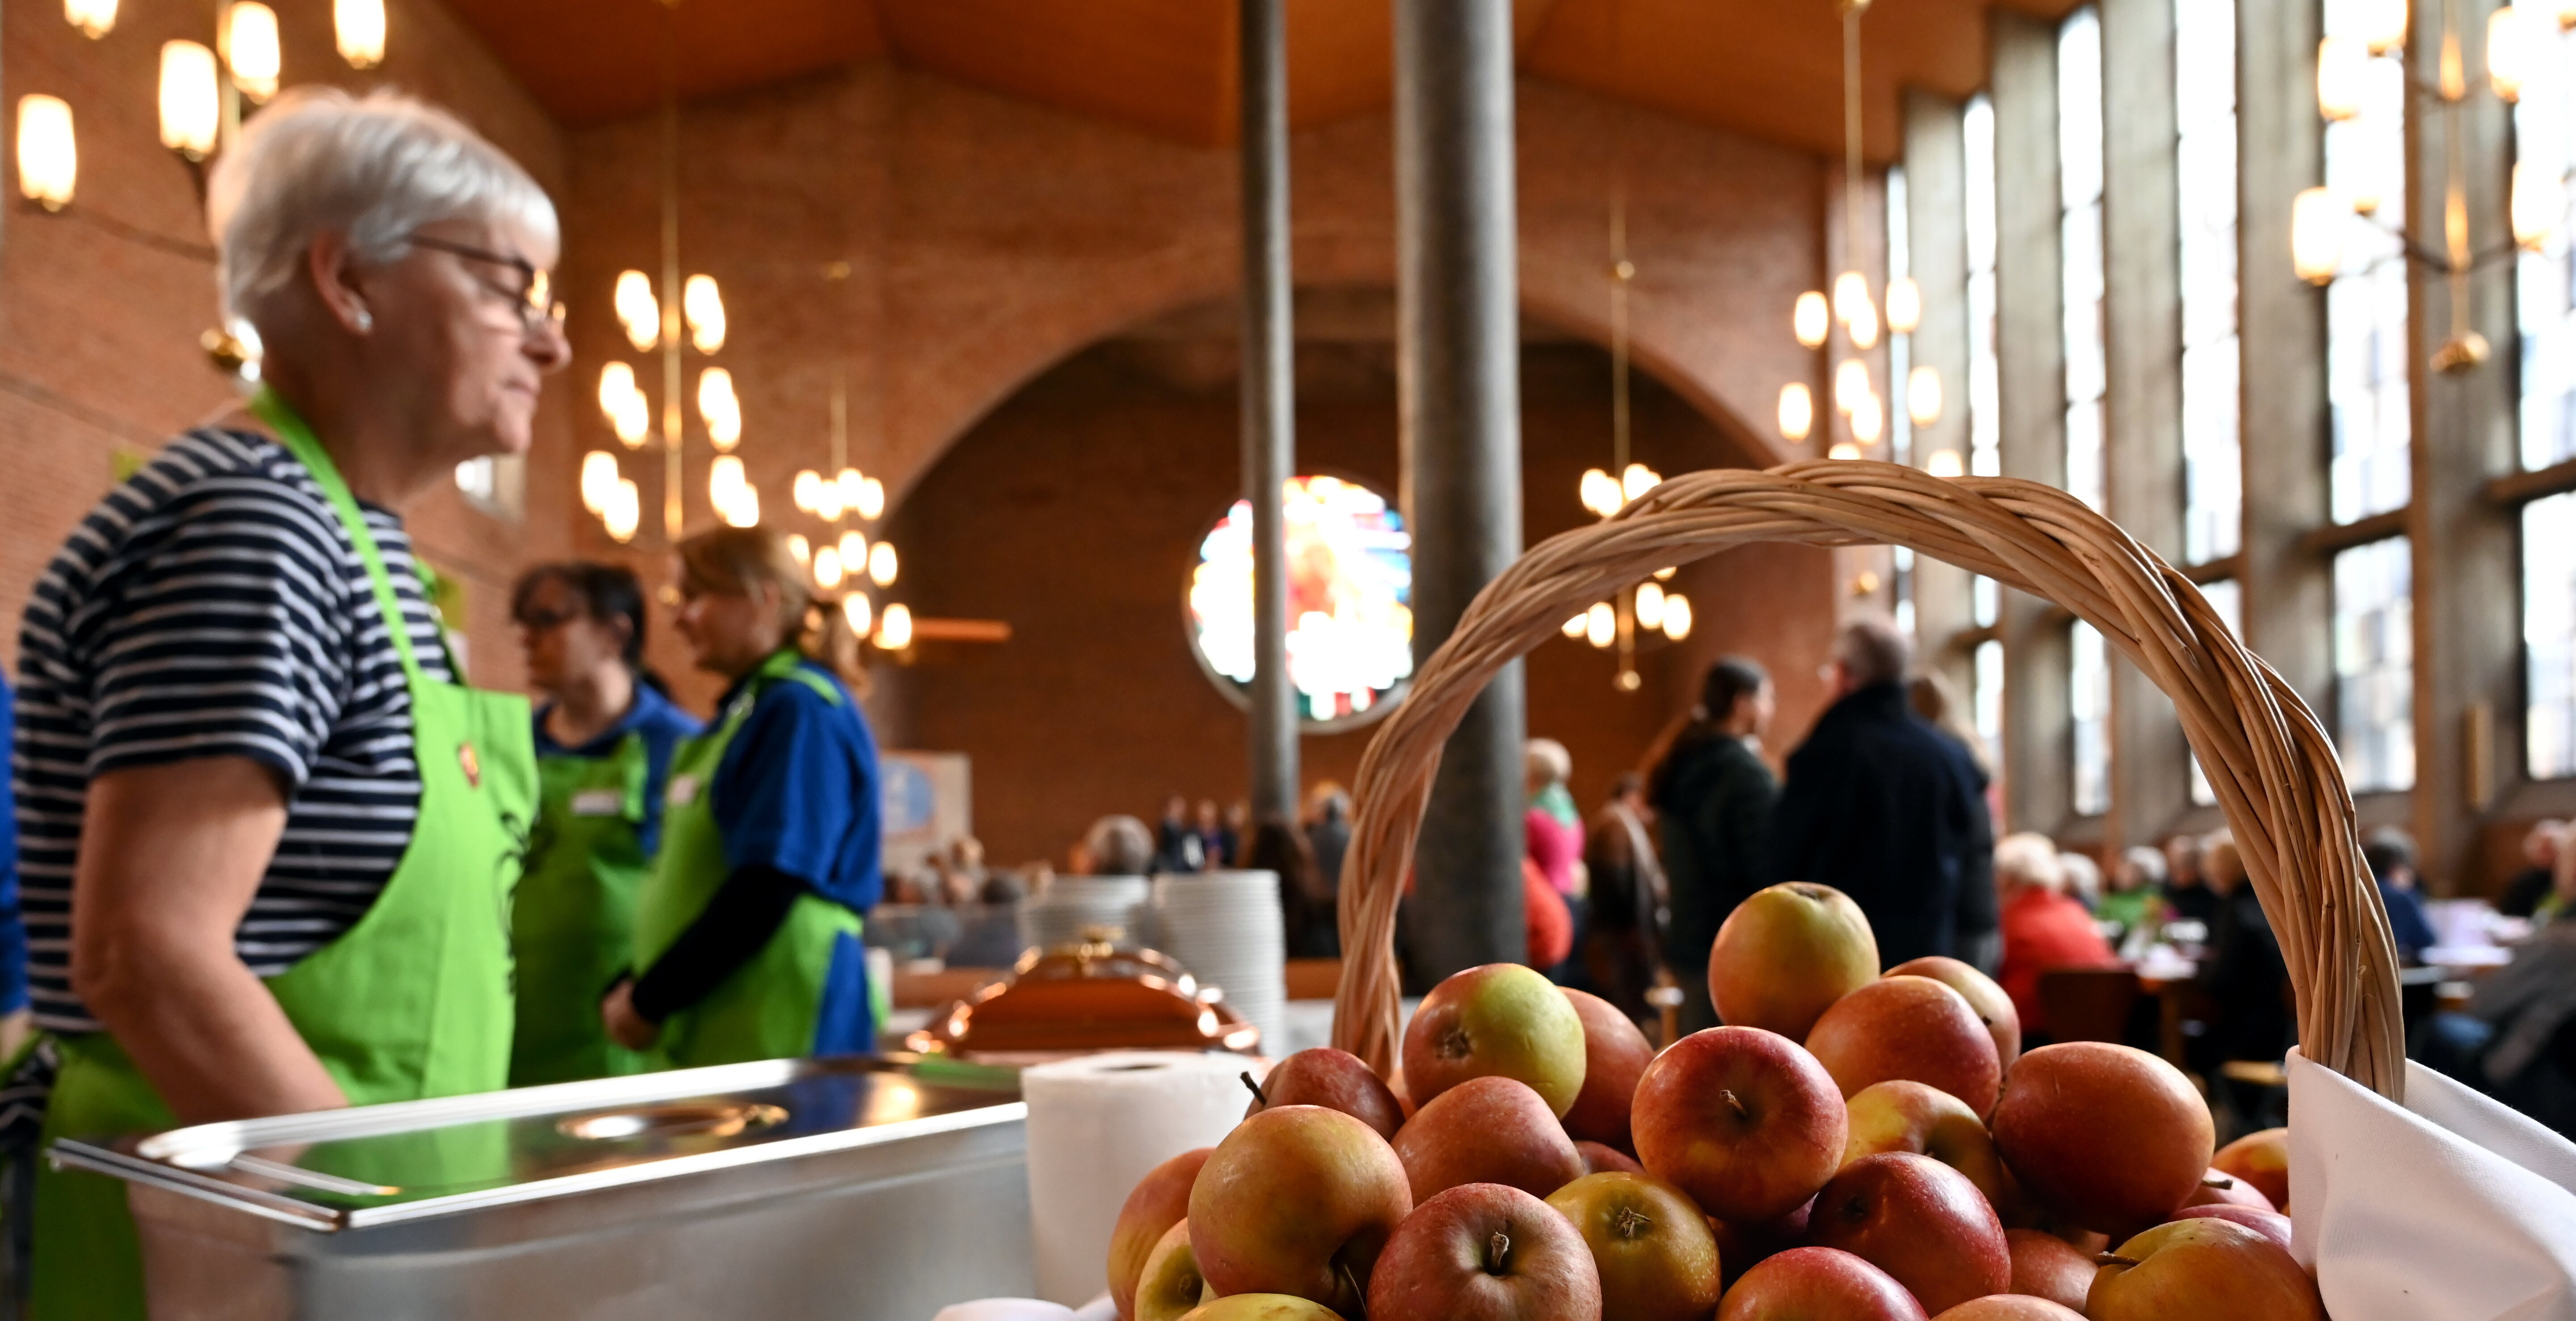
pixel 534 295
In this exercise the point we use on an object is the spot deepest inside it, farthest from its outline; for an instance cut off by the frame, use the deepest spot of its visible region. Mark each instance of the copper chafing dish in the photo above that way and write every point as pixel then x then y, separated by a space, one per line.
pixel 1093 996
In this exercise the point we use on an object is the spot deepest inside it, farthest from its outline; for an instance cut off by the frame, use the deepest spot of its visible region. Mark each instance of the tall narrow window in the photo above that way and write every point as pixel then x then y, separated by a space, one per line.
pixel 1985 380
pixel 2542 129
pixel 1900 348
pixel 2374 660
pixel 2228 600
pixel 2079 171
pixel 2089 701
pixel 2366 344
pixel 1987 700
pixel 2549 635
pixel 2205 175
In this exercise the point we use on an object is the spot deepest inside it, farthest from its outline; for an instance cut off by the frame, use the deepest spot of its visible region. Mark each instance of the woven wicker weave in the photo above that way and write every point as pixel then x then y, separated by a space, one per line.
pixel 2274 770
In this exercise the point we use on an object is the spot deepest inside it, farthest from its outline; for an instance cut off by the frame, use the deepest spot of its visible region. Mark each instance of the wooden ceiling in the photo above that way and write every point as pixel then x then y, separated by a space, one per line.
pixel 1768 68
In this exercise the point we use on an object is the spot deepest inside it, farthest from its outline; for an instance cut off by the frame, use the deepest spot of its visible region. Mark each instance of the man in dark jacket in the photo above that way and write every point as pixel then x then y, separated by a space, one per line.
pixel 1881 807
pixel 1713 798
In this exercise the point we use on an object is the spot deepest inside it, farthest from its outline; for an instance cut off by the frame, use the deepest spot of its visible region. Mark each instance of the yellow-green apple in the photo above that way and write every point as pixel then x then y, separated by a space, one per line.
pixel 1818 1284
pixel 2208 1270
pixel 1333 1079
pixel 1912 1028
pixel 1486 1130
pixel 2218 1187
pixel 1171 1284
pixel 1745 1244
pixel 1918 1220
pixel 1297 1200
pixel 1903 1115
pixel 1263 1307
pixel 2046 1266
pixel 1785 954
pixel 1598 1159
pixel 2010 1307
pixel 1501 1020
pixel 1983 994
pixel 1657 1258
pixel 1484 1252
pixel 2263 1160
pixel 2271 1224
pixel 1158 1202
pixel 1742 1120
pixel 1615 1055
pixel 2108 1137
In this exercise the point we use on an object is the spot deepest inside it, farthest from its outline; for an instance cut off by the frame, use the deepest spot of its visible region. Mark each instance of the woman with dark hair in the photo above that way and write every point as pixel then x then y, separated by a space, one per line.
pixel 1713 797
pixel 1306 909
pixel 747 929
pixel 605 738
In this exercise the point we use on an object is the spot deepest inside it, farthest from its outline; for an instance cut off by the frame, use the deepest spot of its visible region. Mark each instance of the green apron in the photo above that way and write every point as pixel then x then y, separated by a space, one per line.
pixel 572 921
pixel 769 1007
pixel 412 1002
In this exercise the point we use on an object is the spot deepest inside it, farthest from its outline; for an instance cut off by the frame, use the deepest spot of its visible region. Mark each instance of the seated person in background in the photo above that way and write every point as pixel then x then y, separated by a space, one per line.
pixel 2530 889
pixel 2187 897
pixel 2391 855
pixel 2243 973
pixel 2083 879
pixel 2135 896
pixel 2517 1041
pixel 991 939
pixel 2042 927
pixel 1117 845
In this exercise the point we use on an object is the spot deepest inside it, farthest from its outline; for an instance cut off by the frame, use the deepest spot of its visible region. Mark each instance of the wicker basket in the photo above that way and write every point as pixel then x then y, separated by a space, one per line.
pixel 2271 764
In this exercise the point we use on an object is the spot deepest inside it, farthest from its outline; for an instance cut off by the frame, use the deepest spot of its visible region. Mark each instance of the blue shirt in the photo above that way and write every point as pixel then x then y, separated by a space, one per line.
pixel 662 723
pixel 797 789
pixel 13 926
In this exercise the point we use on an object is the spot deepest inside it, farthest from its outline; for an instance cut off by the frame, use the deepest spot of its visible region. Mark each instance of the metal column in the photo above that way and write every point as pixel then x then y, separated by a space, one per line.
pixel 1269 400
pixel 1458 350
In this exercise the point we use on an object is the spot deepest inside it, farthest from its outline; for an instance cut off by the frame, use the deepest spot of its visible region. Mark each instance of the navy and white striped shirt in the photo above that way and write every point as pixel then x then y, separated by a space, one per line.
pixel 214 606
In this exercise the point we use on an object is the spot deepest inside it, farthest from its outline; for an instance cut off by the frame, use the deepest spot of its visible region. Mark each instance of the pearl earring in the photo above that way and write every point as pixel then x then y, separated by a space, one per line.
pixel 366 320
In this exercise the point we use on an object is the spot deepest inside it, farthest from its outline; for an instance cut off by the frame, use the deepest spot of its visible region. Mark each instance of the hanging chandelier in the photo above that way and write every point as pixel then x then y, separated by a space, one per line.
pixel 1814 318
pixel 847 558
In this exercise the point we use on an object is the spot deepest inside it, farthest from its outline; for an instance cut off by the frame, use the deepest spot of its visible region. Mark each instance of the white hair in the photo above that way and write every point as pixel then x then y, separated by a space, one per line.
pixel 2029 859
pixel 375 168
pixel 1546 761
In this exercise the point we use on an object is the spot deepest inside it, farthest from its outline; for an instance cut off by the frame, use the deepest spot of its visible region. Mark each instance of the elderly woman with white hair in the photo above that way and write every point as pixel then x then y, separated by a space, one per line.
pixel 2043 927
pixel 269 835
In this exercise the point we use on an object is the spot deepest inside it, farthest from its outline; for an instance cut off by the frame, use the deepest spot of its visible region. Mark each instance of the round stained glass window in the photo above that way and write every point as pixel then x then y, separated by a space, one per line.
pixel 1350 592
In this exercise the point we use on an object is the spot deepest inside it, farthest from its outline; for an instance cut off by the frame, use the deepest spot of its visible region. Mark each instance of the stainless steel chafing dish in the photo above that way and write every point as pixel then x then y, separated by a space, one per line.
pixel 854 1189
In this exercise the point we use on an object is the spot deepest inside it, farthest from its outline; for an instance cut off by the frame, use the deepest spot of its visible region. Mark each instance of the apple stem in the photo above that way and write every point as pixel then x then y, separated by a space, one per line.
pixel 1631 1223
pixel 1254 1087
pixel 1498 1253
pixel 1735 1104
pixel 2114 1259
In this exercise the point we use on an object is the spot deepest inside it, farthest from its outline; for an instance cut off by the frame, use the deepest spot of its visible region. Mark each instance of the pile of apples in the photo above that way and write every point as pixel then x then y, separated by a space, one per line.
pixel 1850 1147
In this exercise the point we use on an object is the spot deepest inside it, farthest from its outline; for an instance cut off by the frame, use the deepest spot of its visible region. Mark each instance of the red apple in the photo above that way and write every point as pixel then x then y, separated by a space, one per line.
pixel 2108 1137
pixel 1170 1285
pixel 2223 1189
pixel 1994 1008
pixel 1484 1252
pixel 1486 1130
pixel 1158 1202
pixel 2271 1224
pixel 1333 1079
pixel 1920 1221
pixel 1656 1256
pixel 1615 1055
pixel 1904 1115
pixel 2208 1270
pixel 1500 1020
pixel 1745 1244
pixel 1785 954
pixel 2010 1307
pixel 1598 1159
pixel 1742 1120
pixel 1262 1307
pixel 1298 1199
pixel 2046 1266
pixel 2263 1160
pixel 1911 1028
pixel 1818 1284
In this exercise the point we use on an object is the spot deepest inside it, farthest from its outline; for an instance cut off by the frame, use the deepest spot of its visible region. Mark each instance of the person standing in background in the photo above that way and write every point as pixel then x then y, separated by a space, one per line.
pixel 1627 898
pixel 1217 842
pixel 1932 698
pixel 1177 846
pixel 1328 833
pixel 1880 806
pixel 2391 855
pixel 1552 836
pixel 1306 916
pixel 1713 798
pixel 604 743
pixel 15 1019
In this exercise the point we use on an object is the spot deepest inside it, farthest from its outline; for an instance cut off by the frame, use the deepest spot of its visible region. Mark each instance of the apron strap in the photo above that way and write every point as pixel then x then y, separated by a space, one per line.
pixel 300 441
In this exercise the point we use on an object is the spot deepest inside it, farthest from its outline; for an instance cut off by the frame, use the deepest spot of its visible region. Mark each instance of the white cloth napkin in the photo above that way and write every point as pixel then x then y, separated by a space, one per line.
pixel 2449 1208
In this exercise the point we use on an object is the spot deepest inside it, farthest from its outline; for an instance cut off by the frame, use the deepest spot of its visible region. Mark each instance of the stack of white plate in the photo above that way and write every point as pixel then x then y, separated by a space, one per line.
pixel 1224 927
pixel 1070 906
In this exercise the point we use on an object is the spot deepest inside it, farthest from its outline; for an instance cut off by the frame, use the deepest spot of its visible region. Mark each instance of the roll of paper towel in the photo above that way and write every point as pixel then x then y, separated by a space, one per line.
pixel 1097 1125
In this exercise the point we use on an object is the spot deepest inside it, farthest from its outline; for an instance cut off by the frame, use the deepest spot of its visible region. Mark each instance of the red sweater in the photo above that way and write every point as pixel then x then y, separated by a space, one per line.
pixel 2044 931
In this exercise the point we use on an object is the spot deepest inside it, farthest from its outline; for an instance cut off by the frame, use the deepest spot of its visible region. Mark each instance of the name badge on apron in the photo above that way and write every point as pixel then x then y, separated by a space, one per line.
pixel 599 802
pixel 683 791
